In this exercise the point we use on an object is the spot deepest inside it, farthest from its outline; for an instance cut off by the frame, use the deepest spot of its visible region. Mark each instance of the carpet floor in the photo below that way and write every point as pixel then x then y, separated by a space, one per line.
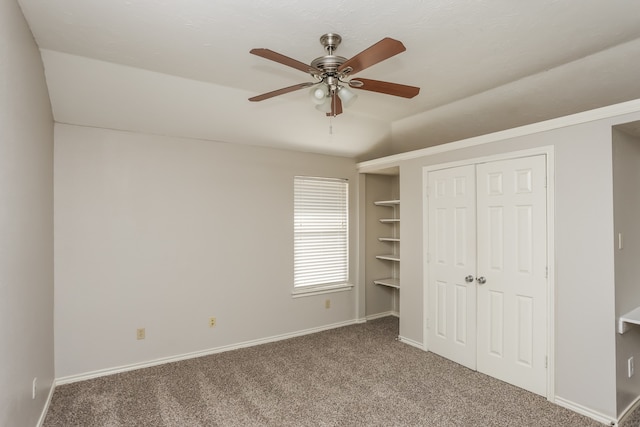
pixel 357 375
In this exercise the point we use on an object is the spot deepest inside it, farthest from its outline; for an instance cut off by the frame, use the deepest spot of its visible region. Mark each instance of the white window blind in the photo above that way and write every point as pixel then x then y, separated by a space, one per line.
pixel 321 229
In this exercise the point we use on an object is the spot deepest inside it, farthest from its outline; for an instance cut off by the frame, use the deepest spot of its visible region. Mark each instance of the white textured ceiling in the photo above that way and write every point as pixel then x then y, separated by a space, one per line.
pixel 183 67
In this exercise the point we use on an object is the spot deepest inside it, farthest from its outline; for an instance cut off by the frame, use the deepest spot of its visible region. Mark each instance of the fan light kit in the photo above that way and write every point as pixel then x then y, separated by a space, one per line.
pixel 332 90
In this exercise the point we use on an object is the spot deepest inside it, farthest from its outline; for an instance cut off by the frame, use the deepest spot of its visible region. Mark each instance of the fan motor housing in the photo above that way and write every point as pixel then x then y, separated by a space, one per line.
pixel 328 63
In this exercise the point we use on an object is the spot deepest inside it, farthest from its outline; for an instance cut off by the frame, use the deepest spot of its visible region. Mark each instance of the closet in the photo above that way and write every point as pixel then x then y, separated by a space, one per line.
pixel 487 268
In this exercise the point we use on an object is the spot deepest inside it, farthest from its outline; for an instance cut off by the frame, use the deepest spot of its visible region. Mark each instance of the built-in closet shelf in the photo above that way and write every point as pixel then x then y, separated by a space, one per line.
pixel 631 318
pixel 391 282
pixel 390 257
pixel 392 238
pixel 387 203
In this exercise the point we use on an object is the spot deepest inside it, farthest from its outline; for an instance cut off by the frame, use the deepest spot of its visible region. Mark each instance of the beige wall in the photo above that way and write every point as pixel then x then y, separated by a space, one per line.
pixel 585 365
pixel 26 224
pixel 163 233
pixel 626 206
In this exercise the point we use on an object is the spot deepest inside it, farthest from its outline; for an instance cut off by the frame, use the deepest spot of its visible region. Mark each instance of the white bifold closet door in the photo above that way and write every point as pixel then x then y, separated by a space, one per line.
pixel 487 263
pixel 452 264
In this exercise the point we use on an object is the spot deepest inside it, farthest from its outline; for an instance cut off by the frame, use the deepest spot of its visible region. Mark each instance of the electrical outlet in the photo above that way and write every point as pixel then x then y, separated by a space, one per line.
pixel 34 388
pixel 327 303
pixel 212 322
pixel 630 367
pixel 140 334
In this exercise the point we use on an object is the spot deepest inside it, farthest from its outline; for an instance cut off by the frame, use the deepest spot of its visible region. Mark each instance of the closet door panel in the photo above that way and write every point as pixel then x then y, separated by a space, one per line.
pixel 512 302
pixel 452 258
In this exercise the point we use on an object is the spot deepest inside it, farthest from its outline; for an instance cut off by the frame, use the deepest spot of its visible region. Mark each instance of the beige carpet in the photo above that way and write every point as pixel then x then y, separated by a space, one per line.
pixel 353 376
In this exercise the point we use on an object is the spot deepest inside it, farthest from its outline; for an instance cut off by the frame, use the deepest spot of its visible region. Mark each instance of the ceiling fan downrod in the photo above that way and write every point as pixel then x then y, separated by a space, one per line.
pixel 330 41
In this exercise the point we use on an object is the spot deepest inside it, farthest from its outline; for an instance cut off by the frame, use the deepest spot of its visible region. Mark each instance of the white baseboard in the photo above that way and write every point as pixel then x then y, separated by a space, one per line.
pixel 380 315
pixel 43 415
pixel 161 361
pixel 411 342
pixel 587 412
pixel 628 412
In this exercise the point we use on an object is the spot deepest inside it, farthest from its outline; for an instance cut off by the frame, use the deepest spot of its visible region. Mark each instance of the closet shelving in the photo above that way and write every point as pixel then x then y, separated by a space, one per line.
pixel 394 243
pixel 631 318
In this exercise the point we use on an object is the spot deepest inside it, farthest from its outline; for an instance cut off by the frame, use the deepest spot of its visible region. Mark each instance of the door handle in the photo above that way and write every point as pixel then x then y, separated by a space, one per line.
pixel 481 280
pixel 468 279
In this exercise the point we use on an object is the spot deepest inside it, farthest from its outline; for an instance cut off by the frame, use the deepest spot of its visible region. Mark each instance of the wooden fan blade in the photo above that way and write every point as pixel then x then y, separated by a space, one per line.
pixel 281 91
pixel 285 60
pixel 388 88
pixel 336 105
pixel 384 49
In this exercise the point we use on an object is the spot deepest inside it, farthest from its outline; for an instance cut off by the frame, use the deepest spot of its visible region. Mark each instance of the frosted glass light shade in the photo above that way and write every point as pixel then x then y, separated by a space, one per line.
pixel 318 94
pixel 347 96
pixel 326 107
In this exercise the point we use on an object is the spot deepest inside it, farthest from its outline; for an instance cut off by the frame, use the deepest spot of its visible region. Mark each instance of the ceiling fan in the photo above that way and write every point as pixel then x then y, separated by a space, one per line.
pixel 331 90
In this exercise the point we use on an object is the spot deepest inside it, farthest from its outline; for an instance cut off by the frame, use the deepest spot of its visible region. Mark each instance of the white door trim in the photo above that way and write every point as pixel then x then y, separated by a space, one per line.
pixel 548 151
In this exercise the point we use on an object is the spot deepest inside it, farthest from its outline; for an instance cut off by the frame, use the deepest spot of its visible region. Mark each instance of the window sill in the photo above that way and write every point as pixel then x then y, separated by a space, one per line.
pixel 321 289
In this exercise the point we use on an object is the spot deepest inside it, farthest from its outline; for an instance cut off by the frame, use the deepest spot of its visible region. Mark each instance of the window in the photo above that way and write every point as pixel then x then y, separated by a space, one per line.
pixel 321 234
